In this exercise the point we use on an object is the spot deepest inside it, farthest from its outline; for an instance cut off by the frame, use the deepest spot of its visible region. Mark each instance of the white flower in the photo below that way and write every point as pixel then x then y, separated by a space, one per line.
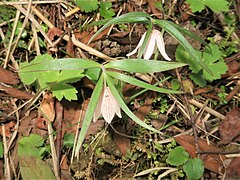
pixel 155 41
pixel 107 106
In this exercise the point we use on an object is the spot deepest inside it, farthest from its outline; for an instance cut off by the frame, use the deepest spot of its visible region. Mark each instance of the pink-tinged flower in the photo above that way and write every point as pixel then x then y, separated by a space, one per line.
pixel 107 106
pixel 155 41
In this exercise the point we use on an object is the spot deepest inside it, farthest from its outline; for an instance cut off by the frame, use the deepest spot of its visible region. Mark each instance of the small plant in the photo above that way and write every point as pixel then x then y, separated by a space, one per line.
pixel 214 5
pixel 212 57
pixel 105 7
pixel 193 167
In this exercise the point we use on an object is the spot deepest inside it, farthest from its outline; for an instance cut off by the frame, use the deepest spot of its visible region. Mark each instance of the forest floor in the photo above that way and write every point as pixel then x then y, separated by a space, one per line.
pixel 198 130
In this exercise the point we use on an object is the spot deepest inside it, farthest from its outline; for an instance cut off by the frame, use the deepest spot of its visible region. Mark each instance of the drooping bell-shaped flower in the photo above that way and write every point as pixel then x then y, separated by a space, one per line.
pixel 155 41
pixel 107 106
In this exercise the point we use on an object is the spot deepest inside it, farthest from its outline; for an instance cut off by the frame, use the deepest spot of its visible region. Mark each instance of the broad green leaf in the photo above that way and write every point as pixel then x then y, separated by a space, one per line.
pixel 125 108
pixel 29 146
pixel 34 168
pixel 178 156
pixel 198 79
pixel 217 5
pixel 133 17
pixel 196 5
pixel 87 5
pixel 61 64
pixel 61 90
pixel 194 168
pixel 106 10
pixel 183 56
pixel 93 74
pixel 143 66
pixel 89 113
pixel 181 39
pixel 139 83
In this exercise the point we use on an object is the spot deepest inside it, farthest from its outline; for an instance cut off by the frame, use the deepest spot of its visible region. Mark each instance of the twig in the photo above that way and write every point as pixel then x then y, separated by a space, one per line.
pixel 11 39
pixel 34 2
pixel 75 42
pixel 23 26
pixel 207 109
pixel 35 38
pixel 6 160
pixel 31 17
pixel 53 151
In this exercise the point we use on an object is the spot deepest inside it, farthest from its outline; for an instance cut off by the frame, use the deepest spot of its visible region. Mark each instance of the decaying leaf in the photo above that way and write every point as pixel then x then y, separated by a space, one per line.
pixel 230 128
pixel 46 109
pixel 213 162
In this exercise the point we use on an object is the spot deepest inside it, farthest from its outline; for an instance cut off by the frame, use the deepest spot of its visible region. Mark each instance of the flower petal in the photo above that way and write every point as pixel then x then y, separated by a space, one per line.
pixel 97 112
pixel 115 104
pixel 138 46
pixel 107 108
pixel 161 45
pixel 150 46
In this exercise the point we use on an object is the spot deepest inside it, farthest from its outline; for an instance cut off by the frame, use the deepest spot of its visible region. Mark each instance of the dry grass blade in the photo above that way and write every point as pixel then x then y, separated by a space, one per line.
pixel 6 159
pixel 34 2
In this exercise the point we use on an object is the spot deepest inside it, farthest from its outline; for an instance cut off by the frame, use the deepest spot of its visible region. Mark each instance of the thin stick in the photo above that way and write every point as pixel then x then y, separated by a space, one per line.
pixel 6 160
pixel 31 17
pixel 23 27
pixel 34 2
pixel 207 109
pixel 53 151
pixel 75 42
pixel 35 36
pixel 11 39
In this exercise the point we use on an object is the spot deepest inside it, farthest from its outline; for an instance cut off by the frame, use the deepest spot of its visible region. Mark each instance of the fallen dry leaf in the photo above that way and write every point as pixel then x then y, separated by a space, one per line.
pixel 230 127
pixel 54 32
pixel 8 77
pixel 46 109
pixel 156 11
pixel 11 92
pixel 212 162
pixel 233 169
pixel 9 128
pixel 121 141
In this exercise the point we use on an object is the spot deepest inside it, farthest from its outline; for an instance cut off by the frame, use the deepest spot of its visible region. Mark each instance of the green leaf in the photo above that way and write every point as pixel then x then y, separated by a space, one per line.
pixel 106 10
pixel 87 5
pixel 217 5
pixel 143 66
pixel 196 5
pixel 198 79
pixel 183 56
pixel 89 113
pixel 133 17
pixel 181 39
pixel 194 168
pixel 178 156
pixel 68 140
pixel 29 146
pixel 61 90
pixel 60 64
pixel 139 83
pixel 34 168
pixel 213 59
pixel 1 149
pixel 93 74
pixel 124 106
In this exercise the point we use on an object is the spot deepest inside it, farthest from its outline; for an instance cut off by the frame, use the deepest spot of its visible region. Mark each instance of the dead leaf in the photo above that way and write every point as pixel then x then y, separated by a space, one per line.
pixel 230 127
pixel 11 92
pixel 156 11
pixel 121 141
pixel 212 162
pixel 46 109
pixel 70 49
pixel 9 128
pixel 233 169
pixel 8 77
pixel 54 32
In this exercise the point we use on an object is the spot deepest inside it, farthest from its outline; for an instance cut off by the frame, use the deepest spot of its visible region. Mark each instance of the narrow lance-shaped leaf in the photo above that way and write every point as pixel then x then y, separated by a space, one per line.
pixel 89 113
pixel 140 66
pixel 61 64
pixel 125 108
pixel 182 40
pixel 146 40
pixel 134 17
pixel 139 83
